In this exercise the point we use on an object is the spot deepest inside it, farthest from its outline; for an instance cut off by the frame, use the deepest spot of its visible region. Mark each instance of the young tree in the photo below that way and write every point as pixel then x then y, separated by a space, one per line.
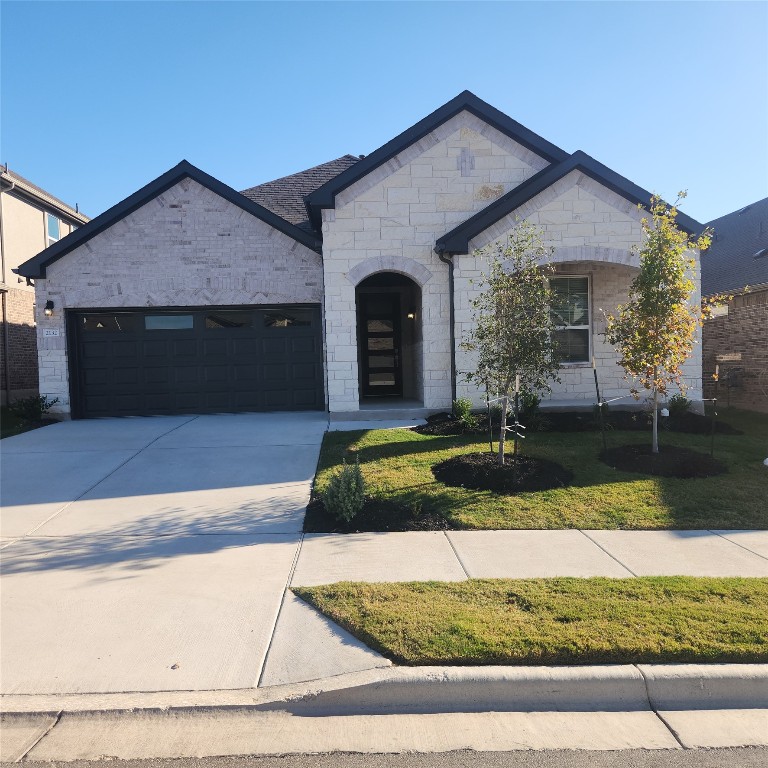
pixel 513 334
pixel 654 332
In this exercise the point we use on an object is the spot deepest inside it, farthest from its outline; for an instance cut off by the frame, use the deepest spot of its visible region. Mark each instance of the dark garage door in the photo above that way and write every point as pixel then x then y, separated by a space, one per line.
pixel 160 361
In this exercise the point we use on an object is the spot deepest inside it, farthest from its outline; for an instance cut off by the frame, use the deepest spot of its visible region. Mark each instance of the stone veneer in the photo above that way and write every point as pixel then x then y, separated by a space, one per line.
pixel 187 247
pixel 592 231
pixel 390 220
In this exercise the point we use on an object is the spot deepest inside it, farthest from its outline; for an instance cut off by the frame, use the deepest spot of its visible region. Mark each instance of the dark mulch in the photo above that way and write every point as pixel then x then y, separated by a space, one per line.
pixel 482 472
pixel 443 424
pixel 670 461
pixel 377 515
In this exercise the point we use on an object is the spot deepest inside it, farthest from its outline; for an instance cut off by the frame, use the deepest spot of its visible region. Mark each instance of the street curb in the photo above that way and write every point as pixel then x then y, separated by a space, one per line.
pixel 413 690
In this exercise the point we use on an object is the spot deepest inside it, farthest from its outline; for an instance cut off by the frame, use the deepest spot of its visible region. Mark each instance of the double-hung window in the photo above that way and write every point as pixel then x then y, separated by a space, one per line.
pixel 571 310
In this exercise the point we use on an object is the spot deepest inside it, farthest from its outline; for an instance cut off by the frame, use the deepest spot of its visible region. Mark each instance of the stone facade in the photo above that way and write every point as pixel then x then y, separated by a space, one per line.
pixel 390 220
pixel 740 337
pixel 593 232
pixel 188 247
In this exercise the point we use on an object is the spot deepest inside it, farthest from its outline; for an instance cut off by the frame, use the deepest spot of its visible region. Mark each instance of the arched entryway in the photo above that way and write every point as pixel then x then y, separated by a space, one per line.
pixel 389 339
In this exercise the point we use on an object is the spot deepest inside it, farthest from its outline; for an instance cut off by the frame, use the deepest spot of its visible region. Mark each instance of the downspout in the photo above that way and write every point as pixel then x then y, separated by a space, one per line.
pixel 440 251
pixel 6 337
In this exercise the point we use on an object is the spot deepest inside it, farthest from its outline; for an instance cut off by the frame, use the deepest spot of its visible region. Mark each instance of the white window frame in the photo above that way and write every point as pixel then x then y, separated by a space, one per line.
pixel 48 238
pixel 588 326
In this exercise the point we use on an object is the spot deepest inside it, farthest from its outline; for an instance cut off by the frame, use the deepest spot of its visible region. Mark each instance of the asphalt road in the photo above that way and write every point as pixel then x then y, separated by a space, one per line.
pixel 710 758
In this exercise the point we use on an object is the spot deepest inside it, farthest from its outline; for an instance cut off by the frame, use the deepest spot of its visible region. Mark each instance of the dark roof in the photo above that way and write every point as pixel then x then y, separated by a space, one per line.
pixel 465 101
pixel 285 196
pixel 457 240
pixel 729 263
pixel 36 266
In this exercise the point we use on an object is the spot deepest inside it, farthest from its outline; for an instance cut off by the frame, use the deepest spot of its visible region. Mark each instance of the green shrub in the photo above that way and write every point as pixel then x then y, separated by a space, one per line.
pixel 529 403
pixel 345 493
pixel 678 405
pixel 32 408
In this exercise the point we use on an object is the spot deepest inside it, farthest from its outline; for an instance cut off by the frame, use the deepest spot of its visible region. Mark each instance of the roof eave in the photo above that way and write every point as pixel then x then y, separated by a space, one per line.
pixel 36 266
pixel 324 196
pixel 457 240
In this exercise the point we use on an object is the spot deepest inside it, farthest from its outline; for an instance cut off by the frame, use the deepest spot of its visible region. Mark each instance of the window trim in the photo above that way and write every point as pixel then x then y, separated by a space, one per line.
pixel 588 326
pixel 49 239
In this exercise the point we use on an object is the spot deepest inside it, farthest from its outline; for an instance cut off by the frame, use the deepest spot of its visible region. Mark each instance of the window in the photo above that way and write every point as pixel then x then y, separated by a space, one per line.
pixel 570 308
pixel 227 319
pixel 109 323
pixel 52 228
pixel 168 322
pixel 282 319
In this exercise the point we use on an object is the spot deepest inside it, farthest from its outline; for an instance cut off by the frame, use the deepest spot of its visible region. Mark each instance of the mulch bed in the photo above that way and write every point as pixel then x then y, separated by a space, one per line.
pixel 670 461
pixel 482 472
pixel 377 515
pixel 443 424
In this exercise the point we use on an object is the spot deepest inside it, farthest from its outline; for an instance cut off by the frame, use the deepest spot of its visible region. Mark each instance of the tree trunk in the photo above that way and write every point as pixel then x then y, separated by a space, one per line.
pixel 655 445
pixel 503 428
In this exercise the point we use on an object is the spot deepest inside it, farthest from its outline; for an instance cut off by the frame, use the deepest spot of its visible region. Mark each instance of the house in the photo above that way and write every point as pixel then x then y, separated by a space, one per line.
pixel 30 220
pixel 346 286
pixel 735 338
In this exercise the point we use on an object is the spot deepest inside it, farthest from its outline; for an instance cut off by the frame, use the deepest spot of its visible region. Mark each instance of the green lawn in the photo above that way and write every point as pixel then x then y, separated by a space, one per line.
pixel 555 621
pixel 396 465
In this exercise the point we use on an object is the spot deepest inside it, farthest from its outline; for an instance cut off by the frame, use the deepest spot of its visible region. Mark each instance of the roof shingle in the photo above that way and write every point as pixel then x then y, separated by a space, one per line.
pixel 285 196
pixel 729 263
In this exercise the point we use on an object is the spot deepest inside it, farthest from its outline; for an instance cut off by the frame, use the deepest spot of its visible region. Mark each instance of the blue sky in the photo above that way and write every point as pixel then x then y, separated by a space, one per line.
pixel 99 98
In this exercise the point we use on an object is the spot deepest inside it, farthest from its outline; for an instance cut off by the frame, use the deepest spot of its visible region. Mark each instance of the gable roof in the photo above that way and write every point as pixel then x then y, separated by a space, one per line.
pixel 729 264
pixel 285 196
pixel 36 266
pixel 457 240
pixel 465 101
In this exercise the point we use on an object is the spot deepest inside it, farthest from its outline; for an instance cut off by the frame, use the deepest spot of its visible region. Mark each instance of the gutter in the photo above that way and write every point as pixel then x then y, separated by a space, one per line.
pixel 440 251
pixel 6 339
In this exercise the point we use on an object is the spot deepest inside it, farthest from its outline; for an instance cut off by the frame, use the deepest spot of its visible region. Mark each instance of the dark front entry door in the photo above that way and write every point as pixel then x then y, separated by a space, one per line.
pixel 380 353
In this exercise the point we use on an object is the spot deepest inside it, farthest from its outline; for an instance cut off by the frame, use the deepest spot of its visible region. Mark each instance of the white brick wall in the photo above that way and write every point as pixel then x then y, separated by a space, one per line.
pixel 187 247
pixel 390 220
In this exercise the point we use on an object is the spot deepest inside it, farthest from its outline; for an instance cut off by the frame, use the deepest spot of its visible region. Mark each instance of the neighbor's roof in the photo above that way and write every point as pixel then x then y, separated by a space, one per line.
pixel 285 196
pixel 26 187
pixel 738 255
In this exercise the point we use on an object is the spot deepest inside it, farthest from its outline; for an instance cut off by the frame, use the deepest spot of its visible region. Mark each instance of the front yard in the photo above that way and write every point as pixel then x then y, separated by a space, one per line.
pixel 555 621
pixel 397 468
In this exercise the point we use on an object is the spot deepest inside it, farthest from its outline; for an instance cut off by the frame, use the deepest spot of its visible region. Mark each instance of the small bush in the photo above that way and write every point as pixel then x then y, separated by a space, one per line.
pixel 345 494
pixel 678 405
pixel 462 411
pixel 529 403
pixel 32 408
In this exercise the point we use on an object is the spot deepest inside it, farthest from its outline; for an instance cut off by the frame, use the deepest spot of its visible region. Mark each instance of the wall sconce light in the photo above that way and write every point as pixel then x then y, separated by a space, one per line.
pixel 411 314
pixel 48 308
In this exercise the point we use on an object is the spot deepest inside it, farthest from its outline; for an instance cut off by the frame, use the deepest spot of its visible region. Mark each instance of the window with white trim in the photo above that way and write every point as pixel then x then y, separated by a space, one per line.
pixel 52 228
pixel 571 310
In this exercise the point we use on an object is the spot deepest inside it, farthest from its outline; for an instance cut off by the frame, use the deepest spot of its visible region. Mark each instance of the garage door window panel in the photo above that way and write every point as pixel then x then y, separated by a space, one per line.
pixel 169 322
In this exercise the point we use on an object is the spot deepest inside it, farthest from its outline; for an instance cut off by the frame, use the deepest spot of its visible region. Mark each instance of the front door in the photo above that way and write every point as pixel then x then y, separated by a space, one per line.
pixel 380 353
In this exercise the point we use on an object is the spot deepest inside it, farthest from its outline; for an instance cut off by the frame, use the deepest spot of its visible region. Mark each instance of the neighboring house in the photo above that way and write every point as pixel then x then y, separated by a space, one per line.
pixel 30 220
pixel 345 287
pixel 736 337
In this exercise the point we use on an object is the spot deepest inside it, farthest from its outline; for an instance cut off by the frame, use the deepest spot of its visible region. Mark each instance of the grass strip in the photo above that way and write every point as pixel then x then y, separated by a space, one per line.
pixel 555 621
pixel 397 466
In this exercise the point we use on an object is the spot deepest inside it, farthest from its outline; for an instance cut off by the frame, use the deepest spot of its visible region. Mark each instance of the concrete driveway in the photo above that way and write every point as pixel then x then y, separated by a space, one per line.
pixel 149 553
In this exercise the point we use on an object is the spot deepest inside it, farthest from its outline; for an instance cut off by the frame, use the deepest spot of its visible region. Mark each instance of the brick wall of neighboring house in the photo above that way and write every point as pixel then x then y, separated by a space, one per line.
pixel 743 332
pixel 22 346
pixel 187 247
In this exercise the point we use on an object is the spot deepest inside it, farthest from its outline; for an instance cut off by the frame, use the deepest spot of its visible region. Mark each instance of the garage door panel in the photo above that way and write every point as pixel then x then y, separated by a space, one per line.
pixel 185 348
pixel 155 348
pixel 196 361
